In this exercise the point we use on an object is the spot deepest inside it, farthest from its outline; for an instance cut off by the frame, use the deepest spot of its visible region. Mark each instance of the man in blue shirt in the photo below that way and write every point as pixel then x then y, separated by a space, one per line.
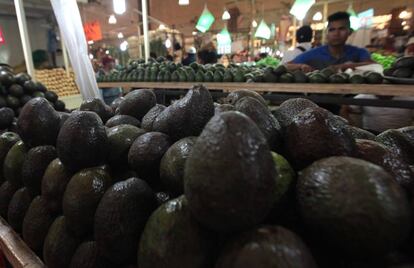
pixel 336 54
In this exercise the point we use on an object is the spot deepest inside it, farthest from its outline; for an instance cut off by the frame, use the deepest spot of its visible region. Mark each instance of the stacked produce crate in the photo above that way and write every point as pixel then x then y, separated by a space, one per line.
pixel 57 81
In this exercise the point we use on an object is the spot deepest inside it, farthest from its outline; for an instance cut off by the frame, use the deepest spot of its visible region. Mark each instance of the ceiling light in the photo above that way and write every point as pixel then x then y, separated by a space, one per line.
pixel 119 6
pixel 263 31
pixel 254 23
pixel 120 35
pixel 184 2
pixel 403 23
pixel 226 15
pixel 161 27
pixel 90 42
pixel 112 19
pixel 205 21
pixel 124 46
pixel 107 52
pixel 194 33
pixel 403 14
pixel 317 16
pixel 90 56
pixel 168 43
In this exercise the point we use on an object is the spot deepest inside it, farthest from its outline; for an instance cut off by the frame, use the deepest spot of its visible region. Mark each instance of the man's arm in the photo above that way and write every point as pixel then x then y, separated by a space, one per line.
pixel 299 63
pixel 345 66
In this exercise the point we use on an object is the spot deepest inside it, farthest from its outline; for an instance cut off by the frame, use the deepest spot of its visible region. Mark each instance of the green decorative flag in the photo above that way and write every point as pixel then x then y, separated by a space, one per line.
pixel 205 21
pixel 263 31
pixel 355 21
pixel 224 42
pixel 300 8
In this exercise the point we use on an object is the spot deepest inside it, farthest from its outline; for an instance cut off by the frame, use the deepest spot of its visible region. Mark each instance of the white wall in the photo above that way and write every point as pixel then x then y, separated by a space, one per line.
pixel 12 52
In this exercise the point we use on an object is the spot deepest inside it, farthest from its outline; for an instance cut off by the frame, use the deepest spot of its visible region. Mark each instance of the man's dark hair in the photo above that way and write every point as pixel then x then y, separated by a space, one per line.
pixel 340 16
pixel 304 34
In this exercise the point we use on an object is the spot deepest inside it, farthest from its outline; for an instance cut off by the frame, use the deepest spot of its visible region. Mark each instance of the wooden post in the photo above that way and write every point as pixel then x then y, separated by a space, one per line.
pixel 295 21
pixel 325 19
pixel 145 25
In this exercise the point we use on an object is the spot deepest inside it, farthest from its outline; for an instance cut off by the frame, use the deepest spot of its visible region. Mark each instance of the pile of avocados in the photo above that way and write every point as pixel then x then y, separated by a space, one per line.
pixel 401 68
pixel 199 184
pixel 160 70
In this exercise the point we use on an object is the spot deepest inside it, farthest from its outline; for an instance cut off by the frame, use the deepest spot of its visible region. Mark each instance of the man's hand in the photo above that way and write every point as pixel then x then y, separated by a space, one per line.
pixel 303 67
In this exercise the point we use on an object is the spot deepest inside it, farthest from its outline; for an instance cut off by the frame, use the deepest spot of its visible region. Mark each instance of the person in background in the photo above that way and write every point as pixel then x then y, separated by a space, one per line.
pixel 190 57
pixel 207 54
pixel 304 38
pixel 109 94
pixel 169 58
pixel 336 54
pixel 409 47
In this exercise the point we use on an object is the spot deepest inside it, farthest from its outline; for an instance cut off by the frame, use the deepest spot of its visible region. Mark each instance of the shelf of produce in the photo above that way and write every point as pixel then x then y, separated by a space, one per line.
pixel 378 89
pixel 16 251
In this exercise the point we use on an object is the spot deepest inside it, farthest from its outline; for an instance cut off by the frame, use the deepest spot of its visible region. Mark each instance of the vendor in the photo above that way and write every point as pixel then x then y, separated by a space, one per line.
pixel 304 37
pixel 336 54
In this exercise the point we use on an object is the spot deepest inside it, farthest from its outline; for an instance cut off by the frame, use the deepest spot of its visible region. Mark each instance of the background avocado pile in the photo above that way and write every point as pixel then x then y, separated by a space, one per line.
pixel 161 70
pixel 203 184
pixel 401 68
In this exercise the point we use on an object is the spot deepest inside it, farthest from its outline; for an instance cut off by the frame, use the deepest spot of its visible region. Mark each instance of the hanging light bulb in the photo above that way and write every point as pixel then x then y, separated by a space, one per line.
pixel 168 43
pixel 254 23
pixel 112 19
pixel 317 16
pixel 107 52
pixel 161 27
pixel 90 42
pixel 226 15
pixel 205 21
pixel 183 2
pixel 119 6
pixel 120 35
pixel 124 46
pixel 403 14
pixel 91 56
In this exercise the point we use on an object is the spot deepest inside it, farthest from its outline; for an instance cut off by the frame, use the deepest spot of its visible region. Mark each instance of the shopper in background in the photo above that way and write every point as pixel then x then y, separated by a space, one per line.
pixel 190 57
pixel 304 38
pixel 208 54
pixel 109 94
pixel 336 54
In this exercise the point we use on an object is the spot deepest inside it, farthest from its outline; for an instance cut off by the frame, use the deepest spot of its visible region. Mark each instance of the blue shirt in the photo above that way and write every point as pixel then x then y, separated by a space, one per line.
pixel 320 58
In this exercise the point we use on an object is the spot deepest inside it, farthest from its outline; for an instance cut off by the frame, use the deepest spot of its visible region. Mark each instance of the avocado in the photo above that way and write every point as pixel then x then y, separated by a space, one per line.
pixel 7 140
pixel 40 87
pixel 239 76
pixel 398 143
pixel 145 155
pixel 182 75
pixel 7 191
pixel 389 71
pixel 88 256
pixel 280 70
pixel 373 222
pixel 317 78
pixel 120 219
pixel 220 108
pixel 199 78
pixel 16 90
pixel 122 120
pixel 187 116
pixel 59 245
pixel 286 78
pixel 315 133
pixel 18 206
pixel 218 77
pixel 149 118
pixel 34 166
pixel 327 72
pixel 60 106
pixel 120 139
pixel 36 224
pixel 6 117
pixel 6 78
pixel 21 78
pixel 213 168
pixel 266 246
pixel 167 76
pixel 175 77
pixel 12 165
pixel 190 75
pixel 357 79
pixel 402 73
pixel 81 198
pixel 38 94
pixel 404 62
pixel 29 87
pixel 408 133
pixel 12 102
pixel 137 103
pixel 2 101
pixel 208 77
pixel 374 78
pixel 82 141
pixel 97 106
pixel 173 163
pixel 290 108
pixel 38 123
pixel 300 77
pixel 263 118
pixel 51 96
pixel 359 133
pixel 236 95
pixel 380 155
pixel 173 238
pixel 25 99
pixel 54 183
pixel 336 79
pixel 115 103
pixel 228 76
pixel 160 77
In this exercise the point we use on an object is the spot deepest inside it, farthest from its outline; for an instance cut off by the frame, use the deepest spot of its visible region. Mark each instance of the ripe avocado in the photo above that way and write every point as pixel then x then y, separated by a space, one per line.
pixel 21 78
pixel 59 245
pixel 187 116
pixel 36 224
pixel 236 95
pixel 7 191
pixel 25 99
pixel 266 246
pixel 115 103
pixel 239 76
pixel 38 94
pixel 173 163
pixel 175 77
pixel 18 206
pixel 357 79
pixel 228 76
pixel 404 62
pixel 120 219
pixel 209 77
pixel 213 167
pixel 359 133
pixel 281 69
pixel 199 78
pixel 97 106
pixel 149 118
pixel 374 78
pixel 290 108
pixel 315 133
pixel 263 118
pixel 6 78
pixel 82 141
pixel 220 108
pixel 60 106
pixel 190 75
pixel 286 78
pixel 120 139
pixel 12 165
pixel 173 238
pixel 51 96
pixel 269 76
pixel 38 123
pixel 6 117
pixel 16 90
pixel 122 120
pixel 398 143
pixel 7 140
pixel 182 75
pixel 81 198
pixel 218 77
pixel 34 166
pixel 54 183
pixel 12 102
pixel 137 103
pixel 300 77
pixel 408 132
pixel 336 79
pixel 88 256
pixel 327 72
pixel 373 222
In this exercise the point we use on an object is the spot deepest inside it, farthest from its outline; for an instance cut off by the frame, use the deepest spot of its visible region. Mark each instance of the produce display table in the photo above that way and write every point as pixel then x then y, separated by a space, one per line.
pixel 280 92
pixel 16 251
